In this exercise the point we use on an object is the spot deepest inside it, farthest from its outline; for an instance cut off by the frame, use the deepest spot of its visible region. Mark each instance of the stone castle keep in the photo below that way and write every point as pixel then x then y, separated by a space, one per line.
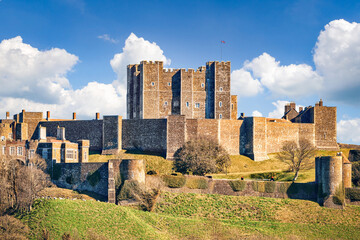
pixel 166 108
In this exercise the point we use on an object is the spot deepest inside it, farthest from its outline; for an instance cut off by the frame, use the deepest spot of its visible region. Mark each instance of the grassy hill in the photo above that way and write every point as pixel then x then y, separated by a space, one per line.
pixel 191 216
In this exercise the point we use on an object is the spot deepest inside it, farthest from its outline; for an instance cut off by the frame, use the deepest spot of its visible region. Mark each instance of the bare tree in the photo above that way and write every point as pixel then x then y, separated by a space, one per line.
pixel 21 182
pixel 297 155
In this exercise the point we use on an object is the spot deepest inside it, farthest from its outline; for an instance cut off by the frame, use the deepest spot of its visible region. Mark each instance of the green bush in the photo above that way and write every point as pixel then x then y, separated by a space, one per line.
pixel 197 183
pixel 265 175
pixel 174 181
pixel 128 190
pixel 93 178
pixel 355 178
pixel 258 186
pixel 283 187
pixel 353 194
pixel 270 187
pixel 237 185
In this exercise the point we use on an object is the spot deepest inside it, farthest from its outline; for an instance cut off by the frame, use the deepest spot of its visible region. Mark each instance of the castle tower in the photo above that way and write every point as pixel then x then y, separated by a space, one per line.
pixel 154 92
pixel 329 177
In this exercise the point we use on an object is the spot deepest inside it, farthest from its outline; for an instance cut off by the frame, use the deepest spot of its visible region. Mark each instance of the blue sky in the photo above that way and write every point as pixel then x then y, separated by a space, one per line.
pixel 275 39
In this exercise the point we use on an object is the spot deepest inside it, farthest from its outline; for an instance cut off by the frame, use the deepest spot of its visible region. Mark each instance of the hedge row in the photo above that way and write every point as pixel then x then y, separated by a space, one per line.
pixel 237 185
pixel 174 181
pixel 353 194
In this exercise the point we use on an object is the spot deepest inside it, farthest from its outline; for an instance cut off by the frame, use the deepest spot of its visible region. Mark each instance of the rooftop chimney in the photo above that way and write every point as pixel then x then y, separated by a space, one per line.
pixel 7 115
pixel 23 111
pixel 97 116
pixel 321 103
pixel 301 109
pixel 74 115
pixel 48 115
pixel 292 105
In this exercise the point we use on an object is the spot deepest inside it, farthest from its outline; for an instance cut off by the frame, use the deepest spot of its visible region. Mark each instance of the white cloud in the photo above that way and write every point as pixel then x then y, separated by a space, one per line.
pixel 279 109
pixel 337 59
pixel 136 49
pixel 349 131
pixel 256 113
pixel 26 72
pixel 106 37
pixel 35 80
pixel 292 80
pixel 244 85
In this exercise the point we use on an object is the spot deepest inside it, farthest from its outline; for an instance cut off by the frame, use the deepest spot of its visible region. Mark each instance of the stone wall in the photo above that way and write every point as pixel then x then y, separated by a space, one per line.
pixel 74 176
pixel 112 134
pixel 147 135
pixel 306 191
pixel 77 130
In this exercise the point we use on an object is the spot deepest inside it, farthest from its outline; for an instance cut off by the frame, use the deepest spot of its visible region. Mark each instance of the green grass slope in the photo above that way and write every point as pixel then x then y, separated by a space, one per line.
pixel 191 216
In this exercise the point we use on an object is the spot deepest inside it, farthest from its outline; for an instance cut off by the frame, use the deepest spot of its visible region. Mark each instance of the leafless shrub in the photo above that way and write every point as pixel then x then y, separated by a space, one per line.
pixel 297 155
pixel 12 228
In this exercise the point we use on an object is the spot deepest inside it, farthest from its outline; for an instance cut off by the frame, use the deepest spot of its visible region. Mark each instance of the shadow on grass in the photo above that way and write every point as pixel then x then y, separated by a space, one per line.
pixel 94 195
pixel 139 152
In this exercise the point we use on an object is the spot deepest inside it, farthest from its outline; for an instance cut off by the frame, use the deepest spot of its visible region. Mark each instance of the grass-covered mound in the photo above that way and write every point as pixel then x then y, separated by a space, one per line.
pixel 195 216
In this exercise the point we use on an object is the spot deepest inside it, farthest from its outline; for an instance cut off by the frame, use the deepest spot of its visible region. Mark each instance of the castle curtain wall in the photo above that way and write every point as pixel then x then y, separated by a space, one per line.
pixel 76 130
pixel 147 135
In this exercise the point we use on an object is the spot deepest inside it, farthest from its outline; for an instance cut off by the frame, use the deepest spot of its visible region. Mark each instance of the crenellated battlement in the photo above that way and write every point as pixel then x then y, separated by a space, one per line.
pixel 145 62
pixel 170 70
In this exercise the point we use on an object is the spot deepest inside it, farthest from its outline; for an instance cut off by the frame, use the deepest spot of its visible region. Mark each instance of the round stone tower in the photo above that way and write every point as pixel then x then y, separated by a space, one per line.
pixel 329 177
pixel 133 169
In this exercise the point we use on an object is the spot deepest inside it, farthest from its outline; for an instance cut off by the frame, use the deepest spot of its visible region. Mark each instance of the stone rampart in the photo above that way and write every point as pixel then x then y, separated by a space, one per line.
pixel 77 130
pixel 147 135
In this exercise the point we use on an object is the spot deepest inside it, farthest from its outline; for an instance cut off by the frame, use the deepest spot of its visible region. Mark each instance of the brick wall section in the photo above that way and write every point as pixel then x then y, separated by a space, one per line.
pixel 112 134
pixel 76 130
pixel 222 90
pixel 6 129
pixel 325 127
pixel 233 109
pixel 32 119
pixel 175 134
pixel 230 135
pixel 144 134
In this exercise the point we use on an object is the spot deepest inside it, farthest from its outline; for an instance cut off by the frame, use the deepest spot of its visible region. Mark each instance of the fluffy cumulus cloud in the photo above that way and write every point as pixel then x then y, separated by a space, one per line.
pixel 244 85
pixel 36 80
pixel 26 72
pixel 337 59
pixel 349 131
pixel 336 75
pixel 292 80
pixel 256 113
pixel 136 49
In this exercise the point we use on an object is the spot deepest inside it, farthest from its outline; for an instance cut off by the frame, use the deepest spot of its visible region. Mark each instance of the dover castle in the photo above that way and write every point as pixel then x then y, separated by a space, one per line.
pixel 166 108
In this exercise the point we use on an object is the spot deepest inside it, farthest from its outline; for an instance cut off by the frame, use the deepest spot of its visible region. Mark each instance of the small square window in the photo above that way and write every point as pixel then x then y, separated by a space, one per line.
pixel 166 103
pixel 169 84
pixel 220 104
pixel 202 85
pixel 19 151
pixel 221 89
pixel 152 84
pixel 187 104
pixel 197 105
pixel 220 116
